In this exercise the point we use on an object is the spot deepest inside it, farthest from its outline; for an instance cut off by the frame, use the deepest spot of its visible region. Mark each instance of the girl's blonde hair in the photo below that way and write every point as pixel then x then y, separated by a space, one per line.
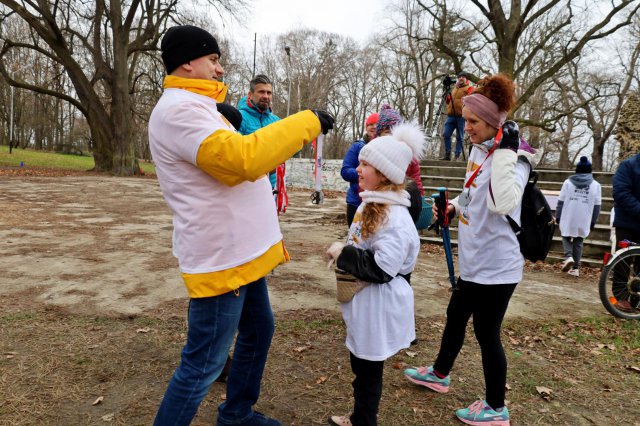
pixel 374 215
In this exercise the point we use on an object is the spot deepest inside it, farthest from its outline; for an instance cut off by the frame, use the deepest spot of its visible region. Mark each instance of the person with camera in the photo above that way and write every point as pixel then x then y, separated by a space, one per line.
pixel 490 260
pixel 454 114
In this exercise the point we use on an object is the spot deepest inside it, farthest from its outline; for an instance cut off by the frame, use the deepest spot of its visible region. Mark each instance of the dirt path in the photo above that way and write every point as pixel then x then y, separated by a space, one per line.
pixel 102 244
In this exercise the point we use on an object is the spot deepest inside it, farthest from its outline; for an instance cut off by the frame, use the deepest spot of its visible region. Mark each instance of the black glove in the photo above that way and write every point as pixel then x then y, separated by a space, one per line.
pixel 326 120
pixel 231 114
pixel 510 136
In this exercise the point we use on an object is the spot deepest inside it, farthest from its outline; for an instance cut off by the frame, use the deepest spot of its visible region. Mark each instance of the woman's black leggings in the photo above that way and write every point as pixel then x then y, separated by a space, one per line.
pixel 487 304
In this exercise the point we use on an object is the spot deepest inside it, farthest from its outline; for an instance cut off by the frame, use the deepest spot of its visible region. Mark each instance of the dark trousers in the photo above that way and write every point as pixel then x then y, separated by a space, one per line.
pixel 487 304
pixel 367 390
pixel 351 212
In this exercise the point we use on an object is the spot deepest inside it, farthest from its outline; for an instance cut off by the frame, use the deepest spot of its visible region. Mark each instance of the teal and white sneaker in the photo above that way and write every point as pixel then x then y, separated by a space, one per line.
pixel 424 376
pixel 481 414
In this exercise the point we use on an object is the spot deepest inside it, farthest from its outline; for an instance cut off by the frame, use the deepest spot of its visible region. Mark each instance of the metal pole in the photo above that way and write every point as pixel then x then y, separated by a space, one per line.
pixel 11 122
pixel 255 38
pixel 288 50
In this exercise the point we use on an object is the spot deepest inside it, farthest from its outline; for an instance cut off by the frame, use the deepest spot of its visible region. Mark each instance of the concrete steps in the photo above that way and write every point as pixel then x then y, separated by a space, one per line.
pixel 450 174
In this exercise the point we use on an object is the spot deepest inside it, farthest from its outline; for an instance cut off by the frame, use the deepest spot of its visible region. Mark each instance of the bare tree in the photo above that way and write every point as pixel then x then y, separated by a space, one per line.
pixel 99 45
pixel 602 114
pixel 547 22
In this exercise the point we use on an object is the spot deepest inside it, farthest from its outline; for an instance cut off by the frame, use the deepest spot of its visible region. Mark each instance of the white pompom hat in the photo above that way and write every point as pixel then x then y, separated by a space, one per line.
pixel 391 154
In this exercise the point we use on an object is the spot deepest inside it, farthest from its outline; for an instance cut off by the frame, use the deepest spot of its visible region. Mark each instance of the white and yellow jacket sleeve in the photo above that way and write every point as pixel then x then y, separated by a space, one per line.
pixel 226 232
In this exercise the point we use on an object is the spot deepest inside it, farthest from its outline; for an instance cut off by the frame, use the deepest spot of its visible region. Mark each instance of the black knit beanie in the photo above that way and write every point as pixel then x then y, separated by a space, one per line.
pixel 184 43
pixel 583 166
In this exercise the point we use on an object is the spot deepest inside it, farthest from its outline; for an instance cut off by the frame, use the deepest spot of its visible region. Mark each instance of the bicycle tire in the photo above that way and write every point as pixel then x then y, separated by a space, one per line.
pixel 621 296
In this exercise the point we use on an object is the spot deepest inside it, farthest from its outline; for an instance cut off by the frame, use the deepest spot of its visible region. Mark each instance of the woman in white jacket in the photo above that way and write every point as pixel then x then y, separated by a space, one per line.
pixel 490 261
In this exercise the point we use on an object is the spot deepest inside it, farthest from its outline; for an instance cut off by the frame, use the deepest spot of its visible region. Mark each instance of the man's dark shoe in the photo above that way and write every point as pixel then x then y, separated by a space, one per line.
pixel 222 378
pixel 258 419
pixel 446 157
pixel 457 157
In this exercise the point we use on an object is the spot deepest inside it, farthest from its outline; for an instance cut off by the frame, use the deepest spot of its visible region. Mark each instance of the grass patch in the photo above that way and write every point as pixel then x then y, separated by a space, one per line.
pixel 57 364
pixel 33 158
pixel 300 325
pixel 19 316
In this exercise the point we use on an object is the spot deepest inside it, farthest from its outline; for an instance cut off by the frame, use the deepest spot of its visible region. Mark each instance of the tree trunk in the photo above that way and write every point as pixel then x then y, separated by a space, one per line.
pixel 598 153
pixel 101 136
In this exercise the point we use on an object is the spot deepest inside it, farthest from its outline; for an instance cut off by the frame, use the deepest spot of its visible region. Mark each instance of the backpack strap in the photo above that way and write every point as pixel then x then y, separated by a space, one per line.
pixel 516 229
pixel 532 175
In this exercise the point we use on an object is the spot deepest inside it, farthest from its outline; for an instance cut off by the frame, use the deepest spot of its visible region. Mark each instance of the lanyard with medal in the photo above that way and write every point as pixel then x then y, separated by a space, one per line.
pixel 464 199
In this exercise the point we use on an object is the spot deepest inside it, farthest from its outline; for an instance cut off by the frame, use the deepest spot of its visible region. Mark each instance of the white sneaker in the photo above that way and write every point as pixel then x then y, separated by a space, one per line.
pixel 574 272
pixel 567 264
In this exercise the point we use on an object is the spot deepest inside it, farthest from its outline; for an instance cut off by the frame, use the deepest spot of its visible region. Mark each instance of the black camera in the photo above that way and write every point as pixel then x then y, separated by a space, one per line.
pixel 448 80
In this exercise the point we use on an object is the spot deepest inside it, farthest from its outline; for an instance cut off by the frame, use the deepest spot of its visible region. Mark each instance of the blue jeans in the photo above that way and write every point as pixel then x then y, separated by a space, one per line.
pixel 213 322
pixel 453 123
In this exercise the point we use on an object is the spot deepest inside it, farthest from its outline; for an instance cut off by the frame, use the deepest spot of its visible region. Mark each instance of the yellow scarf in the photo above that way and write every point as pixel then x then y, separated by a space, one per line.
pixel 212 89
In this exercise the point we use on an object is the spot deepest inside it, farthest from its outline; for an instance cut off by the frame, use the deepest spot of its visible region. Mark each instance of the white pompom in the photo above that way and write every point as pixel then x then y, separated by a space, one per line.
pixel 412 135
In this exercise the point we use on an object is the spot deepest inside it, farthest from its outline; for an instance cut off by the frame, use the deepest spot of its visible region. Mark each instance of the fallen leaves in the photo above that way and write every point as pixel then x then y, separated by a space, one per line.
pixel 632 368
pixel 598 349
pixel 98 400
pixel 544 392
pixel 108 417
pixel 610 346
pixel 400 365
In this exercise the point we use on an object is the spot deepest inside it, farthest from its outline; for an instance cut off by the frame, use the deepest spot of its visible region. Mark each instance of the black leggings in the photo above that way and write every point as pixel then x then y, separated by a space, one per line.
pixel 367 390
pixel 487 304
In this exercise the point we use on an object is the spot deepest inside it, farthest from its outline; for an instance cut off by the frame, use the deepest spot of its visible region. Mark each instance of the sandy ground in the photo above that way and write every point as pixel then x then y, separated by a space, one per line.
pixel 103 244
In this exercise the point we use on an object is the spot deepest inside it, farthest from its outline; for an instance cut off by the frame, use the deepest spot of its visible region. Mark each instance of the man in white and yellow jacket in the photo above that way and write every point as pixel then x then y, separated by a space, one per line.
pixel 226 233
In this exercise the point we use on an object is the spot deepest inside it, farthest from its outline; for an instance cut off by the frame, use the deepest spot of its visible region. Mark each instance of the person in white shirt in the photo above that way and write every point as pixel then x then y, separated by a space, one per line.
pixel 381 252
pixel 577 213
pixel 490 261
pixel 226 234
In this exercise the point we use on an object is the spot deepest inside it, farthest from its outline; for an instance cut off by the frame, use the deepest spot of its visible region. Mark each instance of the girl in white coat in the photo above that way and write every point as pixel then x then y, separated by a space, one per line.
pixel 381 252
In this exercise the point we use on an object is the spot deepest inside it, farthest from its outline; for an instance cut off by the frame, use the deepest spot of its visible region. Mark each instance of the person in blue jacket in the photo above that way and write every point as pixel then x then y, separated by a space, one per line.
pixel 351 162
pixel 256 110
pixel 626 199
pixel 626 202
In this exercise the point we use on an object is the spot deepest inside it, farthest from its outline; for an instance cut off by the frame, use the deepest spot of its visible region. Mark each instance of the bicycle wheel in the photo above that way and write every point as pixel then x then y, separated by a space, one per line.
pixel 620 284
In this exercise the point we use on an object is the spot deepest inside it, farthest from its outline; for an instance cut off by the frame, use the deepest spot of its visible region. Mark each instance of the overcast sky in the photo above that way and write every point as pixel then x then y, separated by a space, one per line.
pixel 355 18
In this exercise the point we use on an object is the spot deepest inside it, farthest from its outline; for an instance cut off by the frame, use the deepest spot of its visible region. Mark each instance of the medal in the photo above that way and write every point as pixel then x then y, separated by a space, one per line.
pixel 464 198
